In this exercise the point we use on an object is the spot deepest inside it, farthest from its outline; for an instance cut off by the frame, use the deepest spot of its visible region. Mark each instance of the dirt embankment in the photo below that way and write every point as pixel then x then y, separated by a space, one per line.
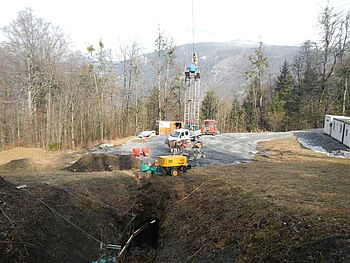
pixel 102 209
pixel 30 232
pixel 289 205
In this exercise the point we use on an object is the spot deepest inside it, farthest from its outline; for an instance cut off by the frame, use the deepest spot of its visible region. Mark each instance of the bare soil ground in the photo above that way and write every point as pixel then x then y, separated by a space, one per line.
pixel 34 158
pixel 289 204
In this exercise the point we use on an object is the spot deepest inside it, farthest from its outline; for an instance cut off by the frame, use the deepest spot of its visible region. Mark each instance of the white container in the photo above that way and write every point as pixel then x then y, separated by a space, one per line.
pixel 338 128
pixel 346 140
pixel 328 122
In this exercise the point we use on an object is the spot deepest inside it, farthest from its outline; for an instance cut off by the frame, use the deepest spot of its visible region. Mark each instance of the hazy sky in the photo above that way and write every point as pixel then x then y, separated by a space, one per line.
pixel 271 21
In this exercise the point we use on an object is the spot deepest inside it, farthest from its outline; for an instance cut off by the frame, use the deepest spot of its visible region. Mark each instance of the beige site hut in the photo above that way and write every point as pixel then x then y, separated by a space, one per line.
pixel 167 127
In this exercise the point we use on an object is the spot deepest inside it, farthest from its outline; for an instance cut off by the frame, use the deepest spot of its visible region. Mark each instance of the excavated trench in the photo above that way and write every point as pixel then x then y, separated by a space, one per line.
pixel 142 242
pixel 149 236
pixel 149 211
pixel 52 239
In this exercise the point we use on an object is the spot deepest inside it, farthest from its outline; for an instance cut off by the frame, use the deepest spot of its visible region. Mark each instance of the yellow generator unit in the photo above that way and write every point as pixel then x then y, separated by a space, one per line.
pixel 172 164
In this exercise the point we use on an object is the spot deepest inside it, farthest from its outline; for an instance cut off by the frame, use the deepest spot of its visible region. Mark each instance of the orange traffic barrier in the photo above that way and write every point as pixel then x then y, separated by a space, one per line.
pixel 145 151
pixel 136 152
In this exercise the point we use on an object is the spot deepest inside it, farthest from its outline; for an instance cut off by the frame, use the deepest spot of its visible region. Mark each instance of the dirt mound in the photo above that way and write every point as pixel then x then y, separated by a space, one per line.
pixel 20 164
pixel 104 162
pixel 22 153
pixel 36 158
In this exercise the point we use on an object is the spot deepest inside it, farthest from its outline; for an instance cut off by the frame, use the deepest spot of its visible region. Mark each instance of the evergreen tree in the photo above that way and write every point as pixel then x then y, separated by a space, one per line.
pixel 284 83
pixel 303 102
pixel 282 103
pixel 238 119
pixel 233 118
pixel 210 106
pixel 277 114
pixel 152 109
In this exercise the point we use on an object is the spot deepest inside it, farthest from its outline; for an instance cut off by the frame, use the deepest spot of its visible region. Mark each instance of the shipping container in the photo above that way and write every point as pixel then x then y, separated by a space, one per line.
pixel 346 140
pixel 338 128
pixel 328 122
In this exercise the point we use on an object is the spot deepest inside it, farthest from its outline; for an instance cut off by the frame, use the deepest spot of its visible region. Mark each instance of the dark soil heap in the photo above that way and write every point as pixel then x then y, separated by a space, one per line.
pixel 104 162
pixel 19 164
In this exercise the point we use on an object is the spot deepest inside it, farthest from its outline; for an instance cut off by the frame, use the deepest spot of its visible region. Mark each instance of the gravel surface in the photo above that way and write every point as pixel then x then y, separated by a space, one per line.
pixel 220 149
pixel 320 142
pixel 229 148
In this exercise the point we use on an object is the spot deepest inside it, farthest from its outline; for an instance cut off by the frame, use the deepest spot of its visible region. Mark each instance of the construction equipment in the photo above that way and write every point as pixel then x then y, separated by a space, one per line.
pixel 181 139
pixel 209 127
pixel 172 164
pixel 192 98
pixel 192 95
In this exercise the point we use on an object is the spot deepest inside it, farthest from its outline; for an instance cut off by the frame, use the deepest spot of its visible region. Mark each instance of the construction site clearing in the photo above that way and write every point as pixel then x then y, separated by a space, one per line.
pixel 247 198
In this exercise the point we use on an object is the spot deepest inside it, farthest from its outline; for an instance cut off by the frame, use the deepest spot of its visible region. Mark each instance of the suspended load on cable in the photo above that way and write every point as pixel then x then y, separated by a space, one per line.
pixel 192 71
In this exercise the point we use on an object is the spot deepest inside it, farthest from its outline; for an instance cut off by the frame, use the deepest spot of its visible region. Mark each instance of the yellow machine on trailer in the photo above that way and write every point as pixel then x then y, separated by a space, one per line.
pixel 172 164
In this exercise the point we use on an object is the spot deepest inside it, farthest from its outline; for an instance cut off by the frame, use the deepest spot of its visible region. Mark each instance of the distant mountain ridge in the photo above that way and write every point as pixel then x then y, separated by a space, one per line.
pixel 223 64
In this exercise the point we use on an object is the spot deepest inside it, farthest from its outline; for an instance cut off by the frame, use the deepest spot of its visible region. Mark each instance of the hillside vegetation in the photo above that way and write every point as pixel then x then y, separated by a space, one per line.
pixel 57 98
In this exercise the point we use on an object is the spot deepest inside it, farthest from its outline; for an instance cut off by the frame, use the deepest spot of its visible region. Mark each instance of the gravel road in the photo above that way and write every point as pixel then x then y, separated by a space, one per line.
pixel 220 149
pixel 229 148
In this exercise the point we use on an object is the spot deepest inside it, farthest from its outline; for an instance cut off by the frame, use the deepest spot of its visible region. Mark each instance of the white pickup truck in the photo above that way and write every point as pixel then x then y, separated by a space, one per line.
pixel 181 138
pixel 185 134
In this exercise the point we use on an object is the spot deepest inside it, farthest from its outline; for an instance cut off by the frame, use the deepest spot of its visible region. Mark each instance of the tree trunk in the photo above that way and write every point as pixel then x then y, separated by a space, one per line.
pixel 345 94
pixel 48 118
pixel 165 85
pixel 136 109
pixel 159 96
pixel 30 116
pixel 101 116
pixel 72 126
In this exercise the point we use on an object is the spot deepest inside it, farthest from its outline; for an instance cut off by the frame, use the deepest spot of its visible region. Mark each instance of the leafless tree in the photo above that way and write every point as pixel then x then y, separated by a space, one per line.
pixel 35 48
pixel 333 43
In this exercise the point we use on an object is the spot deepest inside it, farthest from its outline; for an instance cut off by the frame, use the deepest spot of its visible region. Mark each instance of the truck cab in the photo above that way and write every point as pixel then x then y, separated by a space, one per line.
pixel 181 139
pixel 209 127
pixel 180 135
pixel 178 140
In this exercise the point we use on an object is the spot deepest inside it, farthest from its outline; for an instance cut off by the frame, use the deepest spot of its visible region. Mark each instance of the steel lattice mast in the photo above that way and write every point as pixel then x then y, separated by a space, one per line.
pixel 192 95
pixel 193 89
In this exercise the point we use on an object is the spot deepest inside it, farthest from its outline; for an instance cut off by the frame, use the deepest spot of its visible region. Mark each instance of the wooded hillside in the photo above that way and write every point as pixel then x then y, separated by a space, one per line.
pixel 51 96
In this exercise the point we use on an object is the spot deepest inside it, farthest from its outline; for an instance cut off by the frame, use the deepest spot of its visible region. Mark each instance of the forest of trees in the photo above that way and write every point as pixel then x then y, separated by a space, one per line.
pixel 314 84
pixel 53 97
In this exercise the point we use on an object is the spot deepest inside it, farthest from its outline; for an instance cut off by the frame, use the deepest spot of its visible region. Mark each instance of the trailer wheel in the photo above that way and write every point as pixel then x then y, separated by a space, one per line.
pixel 174 172
pixel 186 168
